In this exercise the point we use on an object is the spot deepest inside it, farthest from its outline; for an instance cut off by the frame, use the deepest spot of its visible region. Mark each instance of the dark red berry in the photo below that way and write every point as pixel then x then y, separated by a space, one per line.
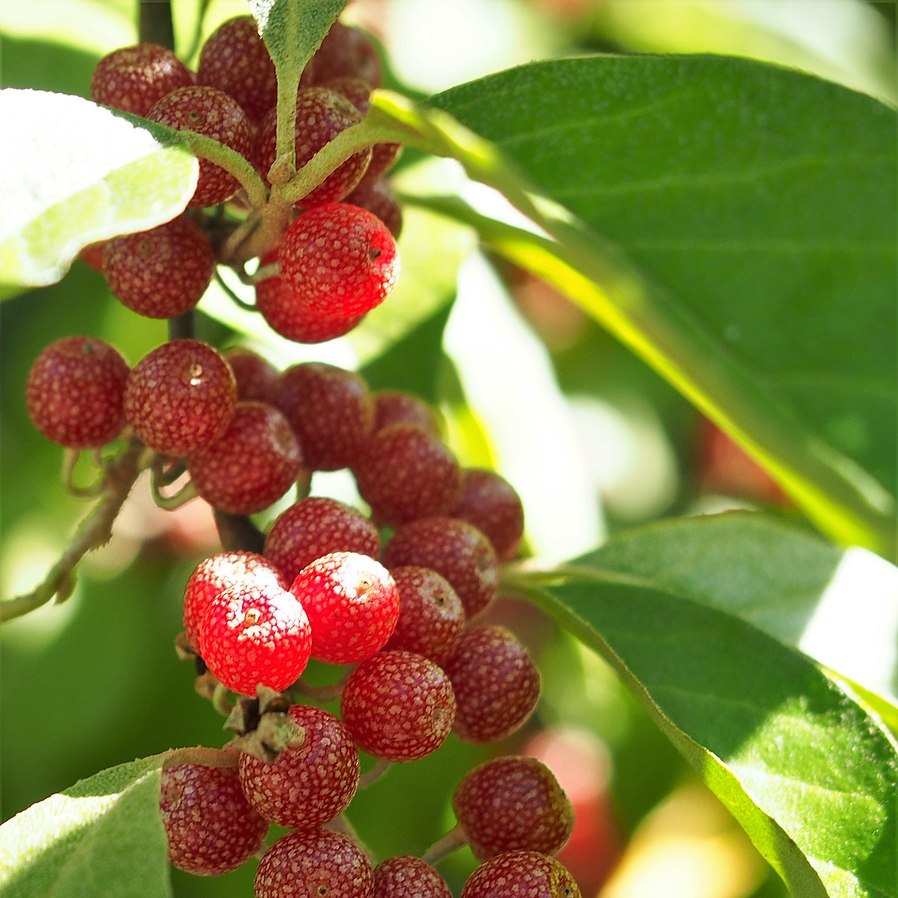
pixel 211 828
pixel 256 377
pixel 213 113
pixel 408 877
pixel 513 803
pixel 310 784
pixel 251 465
pixel 521 874
pixel 398 706
pixel 330 409
pixel 134 78
pixel 453 548
pixel 493 506
pixel 317 526
pixel 495 681
pixel 347 51
pixel 75 392
pixel 356 90
pixel 180 397
pixel 352 604
pixel 163 272
pixel 379 199
pixel 395 407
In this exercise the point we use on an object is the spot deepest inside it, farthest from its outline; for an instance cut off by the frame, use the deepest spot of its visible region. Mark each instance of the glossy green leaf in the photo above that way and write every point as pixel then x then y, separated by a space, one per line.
pixel 106 177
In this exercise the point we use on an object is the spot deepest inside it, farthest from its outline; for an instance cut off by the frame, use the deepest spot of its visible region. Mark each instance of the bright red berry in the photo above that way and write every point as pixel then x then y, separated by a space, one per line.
pixel 453 548
pixel 256 377
pixel 213 113
pixel 513 803
pixel 317 526
pixel 347 51
pixel 310 784
pixel 180 397
pixel 493 506
pixel 495 681
pixel 521 874
pixel 314 863
pixel 75 392
pixel 377 197
pixel 405 473
pixel 251 465
pixel 352 604
pixel 211 828
pixel 408 877
pixel 330 409
pixel 338 260
pixel 134 78
pixel 163 272
pixel 255 633
pixel 398 706
pixel 396 407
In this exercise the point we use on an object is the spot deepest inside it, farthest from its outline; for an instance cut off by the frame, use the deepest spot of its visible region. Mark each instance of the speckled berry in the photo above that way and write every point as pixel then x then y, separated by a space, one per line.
pixel 521 874
pixel 352 604
pixel 330 409
pixel 396 407
pixel 495 681
pixel 256 377
pixel 314 863
pixel 308 785
pixel 406 473
pixel 163 272
pixel 134 78
pixel 180 397
pixel 431 616
pixel 213 113
pixel 251 465
pixel 493 506
pixel 453 548
pixel 377 197
pixel 75 392
pixel 317 526
pixel 210 826
pixel 513 803
pixel 347 51
pixel 408 877
pixel 398 706
pixel 339 260
pixel 255 633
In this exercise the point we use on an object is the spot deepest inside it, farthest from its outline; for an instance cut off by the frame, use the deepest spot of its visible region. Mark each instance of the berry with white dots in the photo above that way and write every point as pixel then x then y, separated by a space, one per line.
pixel 521 874
pixel 408 877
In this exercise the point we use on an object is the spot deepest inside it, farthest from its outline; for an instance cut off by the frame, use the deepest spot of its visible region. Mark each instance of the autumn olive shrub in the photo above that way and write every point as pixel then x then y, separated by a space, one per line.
pixel 730 222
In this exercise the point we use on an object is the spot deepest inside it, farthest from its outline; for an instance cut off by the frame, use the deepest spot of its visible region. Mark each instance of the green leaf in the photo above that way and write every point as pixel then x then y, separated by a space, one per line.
pixel 76 173
pixel 103 836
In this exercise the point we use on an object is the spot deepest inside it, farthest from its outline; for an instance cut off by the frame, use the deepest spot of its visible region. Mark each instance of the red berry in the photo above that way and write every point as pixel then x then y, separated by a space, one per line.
pixel 251 465
pixel 338 260
pixel 308 785
pixel 398 706
pixel 513 803
pixel 317 526
pixel 347 51
pixel 92 255
pixel 75 392
pixel 405 473
pixel 256 377
pixel 431 616
pixel 134 78
pixel 377 198
pixel 235 60
pixel 163 272
pixel 356 90
pixel 180 397
pixel 395 407
pixel 213 113
pixel 211 828
pixel 495 681
pixel 331 411
pixel 453 548
pixel 493 506
pixel 408 877
pixel 352 604
pixel 521 874
pixel 214 575
pixel 313 864
pixel 255 633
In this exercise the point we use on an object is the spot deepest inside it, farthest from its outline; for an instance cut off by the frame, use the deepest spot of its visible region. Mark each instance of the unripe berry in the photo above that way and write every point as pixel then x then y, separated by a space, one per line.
pixel 310 784
pixel 513 803
pixel 493 506
pixel 521 874
pixel 75 392
pixel 256 377
pixel 398 706
pixel 211 828
pixel 408 877
pixel 347 51
pixel 495 681
pixel 352 604
pixel 180 397
pixel 134 78
pixel 338 260
pixel 317 526
pixel 163 272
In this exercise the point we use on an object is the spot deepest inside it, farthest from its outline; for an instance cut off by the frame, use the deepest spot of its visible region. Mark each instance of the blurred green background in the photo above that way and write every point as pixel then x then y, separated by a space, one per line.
pixel 592 439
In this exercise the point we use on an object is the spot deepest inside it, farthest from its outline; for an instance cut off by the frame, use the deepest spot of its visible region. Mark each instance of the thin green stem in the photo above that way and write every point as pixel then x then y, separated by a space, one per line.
pixel 238 301
pixel 231 161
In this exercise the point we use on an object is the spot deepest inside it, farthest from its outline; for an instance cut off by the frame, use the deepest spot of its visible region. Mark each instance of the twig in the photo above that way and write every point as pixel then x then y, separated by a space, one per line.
pixel 375 773
pixel 453 839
